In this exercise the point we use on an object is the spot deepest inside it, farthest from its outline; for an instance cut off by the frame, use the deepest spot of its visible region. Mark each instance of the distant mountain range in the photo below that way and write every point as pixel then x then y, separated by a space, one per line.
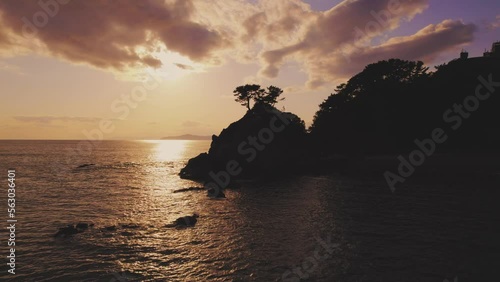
pixel 187 137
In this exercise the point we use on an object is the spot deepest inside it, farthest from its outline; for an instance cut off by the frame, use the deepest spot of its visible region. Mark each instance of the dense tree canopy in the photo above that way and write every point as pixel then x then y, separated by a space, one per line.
pixel 363 113
pixel 391 103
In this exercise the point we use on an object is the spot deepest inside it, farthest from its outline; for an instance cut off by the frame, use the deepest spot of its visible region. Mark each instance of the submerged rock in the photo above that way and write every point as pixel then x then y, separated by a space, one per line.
pixel 67 231
pixel 189 189
pixel 71 229
pixel 216 193
pixel 185 221
pixel 84 225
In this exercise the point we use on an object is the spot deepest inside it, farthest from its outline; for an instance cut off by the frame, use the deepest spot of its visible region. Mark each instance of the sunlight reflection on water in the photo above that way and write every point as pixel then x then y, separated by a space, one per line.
pixel 169 150
pixel 258 233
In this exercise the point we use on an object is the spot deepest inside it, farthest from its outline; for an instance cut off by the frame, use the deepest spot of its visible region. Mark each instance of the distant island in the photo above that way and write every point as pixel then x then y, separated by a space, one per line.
pixel 187 137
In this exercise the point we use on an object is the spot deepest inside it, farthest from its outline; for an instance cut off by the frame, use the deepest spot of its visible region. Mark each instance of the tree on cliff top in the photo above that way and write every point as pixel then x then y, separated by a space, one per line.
pixel 246 93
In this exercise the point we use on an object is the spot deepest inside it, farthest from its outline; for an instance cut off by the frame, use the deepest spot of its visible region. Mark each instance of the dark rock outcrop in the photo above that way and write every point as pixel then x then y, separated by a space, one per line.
pixel 197 168
pixel 185 221
pixel 71 229
pixel 264 142
pixel 189 189
pixel 67 231
pixel 83 225
pixel 215 193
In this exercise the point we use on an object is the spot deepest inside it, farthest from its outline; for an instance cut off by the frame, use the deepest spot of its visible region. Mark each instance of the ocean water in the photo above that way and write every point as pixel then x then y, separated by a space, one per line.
pixel 302 228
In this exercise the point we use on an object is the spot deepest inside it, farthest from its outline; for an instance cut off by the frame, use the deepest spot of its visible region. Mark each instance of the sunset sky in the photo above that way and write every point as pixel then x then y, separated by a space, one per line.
pixel 66 67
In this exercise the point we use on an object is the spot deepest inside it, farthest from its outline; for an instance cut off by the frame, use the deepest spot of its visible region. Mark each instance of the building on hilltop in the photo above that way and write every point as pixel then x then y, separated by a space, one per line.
pixel 489 61
pixel 464 55
pixel 495 51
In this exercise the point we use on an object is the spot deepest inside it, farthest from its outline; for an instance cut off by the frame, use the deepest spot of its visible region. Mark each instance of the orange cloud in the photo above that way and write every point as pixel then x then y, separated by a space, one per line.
pixel 128 34
pixel 424 45
pixel 115 35
pixel 352 23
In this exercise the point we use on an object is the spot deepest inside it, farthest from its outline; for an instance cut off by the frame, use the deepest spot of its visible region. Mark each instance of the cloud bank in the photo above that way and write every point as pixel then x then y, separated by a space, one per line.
pixel 117 34
pixel 121 35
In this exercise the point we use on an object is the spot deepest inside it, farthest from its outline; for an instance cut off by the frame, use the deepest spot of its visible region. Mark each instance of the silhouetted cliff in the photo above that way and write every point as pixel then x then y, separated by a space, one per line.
pixel 389 108
pixel 265 141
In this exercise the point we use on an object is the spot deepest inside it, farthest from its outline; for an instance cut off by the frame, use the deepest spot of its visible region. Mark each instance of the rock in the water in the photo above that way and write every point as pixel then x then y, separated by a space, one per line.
pixel 67 231
pixel 197 167
pixel 189 189
pixel 84 225
pixel 185 221
pixel 215 193
pixel 72 229
pixel 264 142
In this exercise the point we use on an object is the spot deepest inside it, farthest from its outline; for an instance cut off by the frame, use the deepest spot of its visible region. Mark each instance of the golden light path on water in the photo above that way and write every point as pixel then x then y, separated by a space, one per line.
pixel 169 150
pixel 165 253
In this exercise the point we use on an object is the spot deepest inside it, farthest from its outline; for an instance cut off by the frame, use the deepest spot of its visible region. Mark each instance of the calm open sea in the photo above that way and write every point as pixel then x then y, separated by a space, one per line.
pixel 317 227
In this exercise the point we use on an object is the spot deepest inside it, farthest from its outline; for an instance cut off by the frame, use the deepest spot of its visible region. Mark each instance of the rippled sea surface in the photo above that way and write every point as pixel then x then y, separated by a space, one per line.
pixel 309 227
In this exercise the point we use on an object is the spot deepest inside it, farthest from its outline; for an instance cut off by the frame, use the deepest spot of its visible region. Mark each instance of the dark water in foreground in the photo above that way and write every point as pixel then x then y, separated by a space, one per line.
pixel 263 231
